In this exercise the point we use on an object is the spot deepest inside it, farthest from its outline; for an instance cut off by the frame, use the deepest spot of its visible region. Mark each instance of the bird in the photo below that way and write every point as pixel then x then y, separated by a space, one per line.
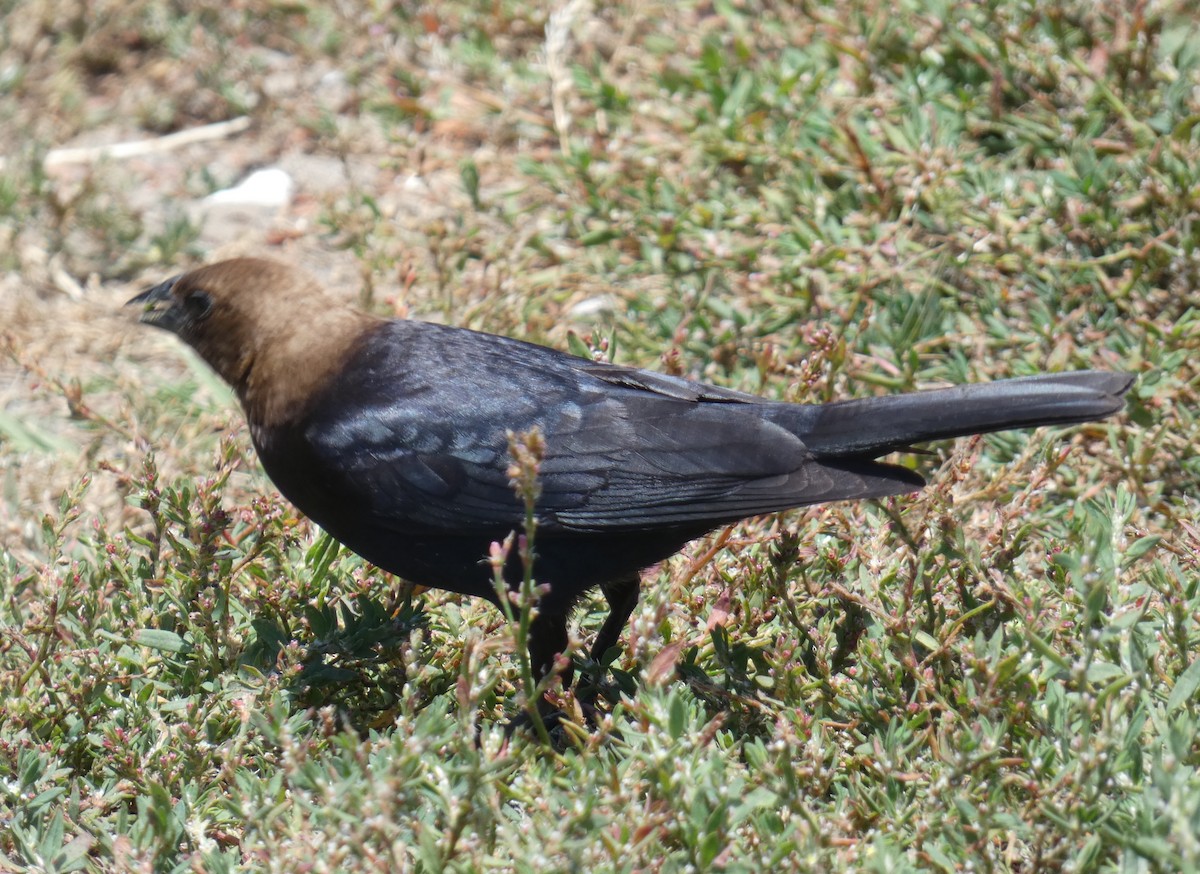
pixel 393 435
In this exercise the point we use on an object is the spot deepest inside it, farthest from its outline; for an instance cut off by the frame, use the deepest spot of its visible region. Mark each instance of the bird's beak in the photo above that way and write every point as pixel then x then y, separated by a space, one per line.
pixel 158 306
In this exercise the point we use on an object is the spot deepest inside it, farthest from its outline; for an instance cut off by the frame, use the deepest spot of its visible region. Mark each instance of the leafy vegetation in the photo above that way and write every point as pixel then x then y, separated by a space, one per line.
pixel 806 200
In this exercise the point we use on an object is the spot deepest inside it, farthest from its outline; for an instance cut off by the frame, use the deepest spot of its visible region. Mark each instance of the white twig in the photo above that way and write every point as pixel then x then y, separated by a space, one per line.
pixel 134 148
pixel 64 281
pixel 558 43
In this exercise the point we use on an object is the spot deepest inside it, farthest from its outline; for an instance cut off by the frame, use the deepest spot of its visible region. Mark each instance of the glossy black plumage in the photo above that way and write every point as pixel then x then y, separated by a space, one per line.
pixel 398 444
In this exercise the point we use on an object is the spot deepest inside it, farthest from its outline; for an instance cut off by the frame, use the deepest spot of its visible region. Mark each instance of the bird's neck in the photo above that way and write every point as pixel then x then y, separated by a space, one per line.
pixel 281 375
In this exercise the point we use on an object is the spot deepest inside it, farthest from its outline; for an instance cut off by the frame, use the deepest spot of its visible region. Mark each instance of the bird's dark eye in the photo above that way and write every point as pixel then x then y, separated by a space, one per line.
pixel 197 303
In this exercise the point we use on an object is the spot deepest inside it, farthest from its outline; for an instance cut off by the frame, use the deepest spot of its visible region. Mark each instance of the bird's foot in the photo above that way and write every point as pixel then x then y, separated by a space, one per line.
pixel 567 720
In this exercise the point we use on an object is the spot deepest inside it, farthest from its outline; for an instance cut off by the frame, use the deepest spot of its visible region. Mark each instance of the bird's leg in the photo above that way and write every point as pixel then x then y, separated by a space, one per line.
pixel 622 597
pixel 548 634
pixel 548 638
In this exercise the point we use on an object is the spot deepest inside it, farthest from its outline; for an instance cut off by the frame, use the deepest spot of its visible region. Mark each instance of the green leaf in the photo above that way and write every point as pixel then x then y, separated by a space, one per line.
pixel 676 715
pixel 1185 687
pixel 1141 546
pixel 1098 672
pixel 576 346
pixel 160 639
pixel 52 840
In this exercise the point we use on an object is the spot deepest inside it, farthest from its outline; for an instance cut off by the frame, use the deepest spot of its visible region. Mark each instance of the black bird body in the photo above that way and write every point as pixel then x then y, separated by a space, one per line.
pixel 398 445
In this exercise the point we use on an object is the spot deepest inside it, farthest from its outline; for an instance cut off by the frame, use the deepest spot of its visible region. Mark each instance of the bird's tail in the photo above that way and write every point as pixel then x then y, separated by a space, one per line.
pixel 872 427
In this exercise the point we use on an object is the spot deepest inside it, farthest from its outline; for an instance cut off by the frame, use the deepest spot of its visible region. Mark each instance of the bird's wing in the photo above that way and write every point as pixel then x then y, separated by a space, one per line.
pixel 421 440
pixel 661 383
pixel 660 461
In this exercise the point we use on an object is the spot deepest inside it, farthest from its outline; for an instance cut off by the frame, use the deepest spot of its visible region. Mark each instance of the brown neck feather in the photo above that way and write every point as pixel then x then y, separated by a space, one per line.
pixel 284 372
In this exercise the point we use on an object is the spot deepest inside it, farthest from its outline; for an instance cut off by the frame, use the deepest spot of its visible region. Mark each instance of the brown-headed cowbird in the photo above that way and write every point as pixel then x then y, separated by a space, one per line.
pixel 392 436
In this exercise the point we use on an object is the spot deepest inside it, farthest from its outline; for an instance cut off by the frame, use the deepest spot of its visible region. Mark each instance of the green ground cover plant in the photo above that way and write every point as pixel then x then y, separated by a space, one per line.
pixel 805 200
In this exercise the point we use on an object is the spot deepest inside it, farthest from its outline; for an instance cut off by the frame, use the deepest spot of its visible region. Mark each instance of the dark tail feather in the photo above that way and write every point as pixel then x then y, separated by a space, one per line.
pixel 872 427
